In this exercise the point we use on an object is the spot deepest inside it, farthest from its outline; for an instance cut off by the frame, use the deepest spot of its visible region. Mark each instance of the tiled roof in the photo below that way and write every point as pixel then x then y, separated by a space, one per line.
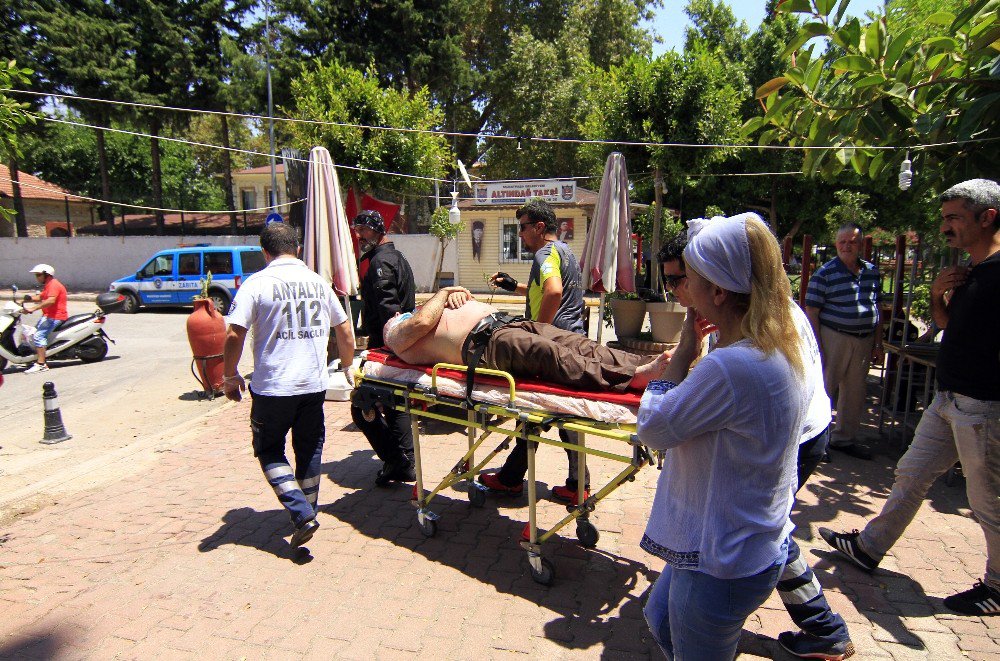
pixel 279 168
pixel 31 187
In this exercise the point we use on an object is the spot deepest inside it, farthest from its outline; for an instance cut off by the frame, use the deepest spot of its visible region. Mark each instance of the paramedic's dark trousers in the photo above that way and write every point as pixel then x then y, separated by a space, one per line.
pixel 513 470
pixel 798 587
pixel 270 420
pixel 389 434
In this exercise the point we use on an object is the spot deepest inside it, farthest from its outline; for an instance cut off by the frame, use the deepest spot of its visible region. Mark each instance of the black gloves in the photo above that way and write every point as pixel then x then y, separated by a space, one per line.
pixel 505 282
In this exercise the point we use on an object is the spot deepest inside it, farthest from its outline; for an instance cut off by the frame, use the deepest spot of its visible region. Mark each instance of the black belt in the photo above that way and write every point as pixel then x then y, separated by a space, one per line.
pixel 476 341
pixel 861 334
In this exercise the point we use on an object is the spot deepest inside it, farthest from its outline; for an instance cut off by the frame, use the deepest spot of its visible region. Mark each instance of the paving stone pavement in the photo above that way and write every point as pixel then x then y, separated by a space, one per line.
pixel 189 558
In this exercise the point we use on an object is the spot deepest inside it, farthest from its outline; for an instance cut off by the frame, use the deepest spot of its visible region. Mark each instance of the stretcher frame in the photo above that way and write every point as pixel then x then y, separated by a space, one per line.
pixel 482 420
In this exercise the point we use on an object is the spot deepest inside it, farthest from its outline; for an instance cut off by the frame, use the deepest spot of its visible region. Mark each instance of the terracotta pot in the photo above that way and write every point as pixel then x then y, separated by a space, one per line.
pixel 666 321
pixel 628 315
pixel 206 330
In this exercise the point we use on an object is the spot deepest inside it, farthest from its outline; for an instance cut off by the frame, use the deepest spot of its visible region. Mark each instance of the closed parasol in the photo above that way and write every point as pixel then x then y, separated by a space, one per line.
pixel 607 254
pixel 328 248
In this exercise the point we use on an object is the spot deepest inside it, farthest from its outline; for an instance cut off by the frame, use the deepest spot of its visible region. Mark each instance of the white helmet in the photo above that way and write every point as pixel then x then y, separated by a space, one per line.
pixel 43 268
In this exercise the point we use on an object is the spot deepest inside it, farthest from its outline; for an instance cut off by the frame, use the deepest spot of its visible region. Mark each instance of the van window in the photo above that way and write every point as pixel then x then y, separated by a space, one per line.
pixel 251 261
pixel 219 263
pixel 159 265
pixel 189 264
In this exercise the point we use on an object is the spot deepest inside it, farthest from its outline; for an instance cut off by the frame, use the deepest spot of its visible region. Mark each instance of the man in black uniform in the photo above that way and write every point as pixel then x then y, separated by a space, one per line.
pixel 961 423
pixel 387 287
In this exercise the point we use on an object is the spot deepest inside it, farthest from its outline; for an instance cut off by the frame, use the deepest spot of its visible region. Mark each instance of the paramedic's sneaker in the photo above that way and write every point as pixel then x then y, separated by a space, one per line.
pixel 36 368
pixel 395 471
pixel 980 600
pixel 847 545
pixel 567 495
pixel 304 533
pixel 807 646
pixel 492 482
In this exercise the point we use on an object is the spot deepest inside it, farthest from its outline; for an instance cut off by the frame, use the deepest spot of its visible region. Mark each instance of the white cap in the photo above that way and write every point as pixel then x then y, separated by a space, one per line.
pixel 43 268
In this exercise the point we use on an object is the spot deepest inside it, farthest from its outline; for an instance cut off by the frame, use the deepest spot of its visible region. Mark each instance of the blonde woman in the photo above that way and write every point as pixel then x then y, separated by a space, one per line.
pixel 730 429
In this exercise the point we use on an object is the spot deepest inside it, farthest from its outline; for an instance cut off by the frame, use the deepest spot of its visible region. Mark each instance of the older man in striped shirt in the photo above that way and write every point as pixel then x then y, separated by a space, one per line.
pixel 842 303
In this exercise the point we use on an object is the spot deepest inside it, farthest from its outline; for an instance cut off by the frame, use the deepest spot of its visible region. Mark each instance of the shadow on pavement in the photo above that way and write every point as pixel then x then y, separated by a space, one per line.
pixel 260 530
pixel 592 589
pixel 35 646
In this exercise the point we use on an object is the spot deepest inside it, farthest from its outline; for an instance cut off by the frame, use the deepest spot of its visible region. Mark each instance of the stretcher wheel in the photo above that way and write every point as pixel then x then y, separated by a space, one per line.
pixel 545 575
pixel 428 527
pixel 477 497
pixel 587 533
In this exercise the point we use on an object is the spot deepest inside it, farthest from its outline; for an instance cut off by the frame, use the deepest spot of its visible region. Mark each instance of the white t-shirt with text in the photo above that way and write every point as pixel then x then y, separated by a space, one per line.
pixel 291 312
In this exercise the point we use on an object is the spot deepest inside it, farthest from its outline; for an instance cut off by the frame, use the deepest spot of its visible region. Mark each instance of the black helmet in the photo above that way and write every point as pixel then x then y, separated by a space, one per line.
pixel 371 219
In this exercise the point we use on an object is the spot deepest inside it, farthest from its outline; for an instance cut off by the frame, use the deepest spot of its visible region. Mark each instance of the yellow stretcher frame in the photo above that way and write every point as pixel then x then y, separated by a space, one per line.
pixel 528 424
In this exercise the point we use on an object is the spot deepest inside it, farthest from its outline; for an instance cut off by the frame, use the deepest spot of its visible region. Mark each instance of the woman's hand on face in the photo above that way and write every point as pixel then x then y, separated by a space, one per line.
pixel 691 336
pixel 704 326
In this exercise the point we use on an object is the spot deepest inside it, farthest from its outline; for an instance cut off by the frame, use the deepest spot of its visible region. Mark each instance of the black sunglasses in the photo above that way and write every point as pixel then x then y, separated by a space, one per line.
pixel 524 225
pixel 673 280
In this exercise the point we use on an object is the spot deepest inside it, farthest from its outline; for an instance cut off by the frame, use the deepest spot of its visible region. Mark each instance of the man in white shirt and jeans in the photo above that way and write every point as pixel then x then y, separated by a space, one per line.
pixel 291 310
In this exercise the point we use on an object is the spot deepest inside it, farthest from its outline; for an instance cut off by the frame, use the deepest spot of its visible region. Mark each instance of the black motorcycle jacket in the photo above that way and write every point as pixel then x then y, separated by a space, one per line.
pixel 386 289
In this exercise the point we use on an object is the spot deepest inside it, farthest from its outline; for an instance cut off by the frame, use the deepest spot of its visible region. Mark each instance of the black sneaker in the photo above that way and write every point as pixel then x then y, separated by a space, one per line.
pixel 980 600
pixel 807 646
pixel 304 533
pixel 847 545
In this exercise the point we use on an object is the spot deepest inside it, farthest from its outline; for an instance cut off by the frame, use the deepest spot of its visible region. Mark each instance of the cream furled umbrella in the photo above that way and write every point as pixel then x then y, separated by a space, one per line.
pixel 607 254
pixel 327 247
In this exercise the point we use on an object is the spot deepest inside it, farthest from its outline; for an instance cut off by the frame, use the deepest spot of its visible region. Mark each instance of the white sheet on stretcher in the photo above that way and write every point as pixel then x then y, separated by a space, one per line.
pixel 539 401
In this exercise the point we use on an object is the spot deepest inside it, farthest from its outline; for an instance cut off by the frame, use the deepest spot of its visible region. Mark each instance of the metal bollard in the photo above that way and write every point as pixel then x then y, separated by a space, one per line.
pixel 55 432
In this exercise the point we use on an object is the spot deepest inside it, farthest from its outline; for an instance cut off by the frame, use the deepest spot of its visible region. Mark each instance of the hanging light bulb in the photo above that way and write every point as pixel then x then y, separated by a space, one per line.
pixel 454 214
pixel 905 173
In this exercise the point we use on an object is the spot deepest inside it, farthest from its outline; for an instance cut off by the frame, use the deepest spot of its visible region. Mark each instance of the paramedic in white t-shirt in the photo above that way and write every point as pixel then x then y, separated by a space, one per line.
pixel 291 311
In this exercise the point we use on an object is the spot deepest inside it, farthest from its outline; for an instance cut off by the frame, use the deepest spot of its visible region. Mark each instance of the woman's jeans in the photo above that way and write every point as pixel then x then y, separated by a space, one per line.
pixel 694 616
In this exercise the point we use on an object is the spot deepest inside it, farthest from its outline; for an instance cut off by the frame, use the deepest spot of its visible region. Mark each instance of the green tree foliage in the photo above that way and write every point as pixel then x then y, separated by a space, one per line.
pixel 691 98
pixel 64 155
pixel 13 117
pixel 875 87
pixel 850 208
pixel 339 94
pixel 462 52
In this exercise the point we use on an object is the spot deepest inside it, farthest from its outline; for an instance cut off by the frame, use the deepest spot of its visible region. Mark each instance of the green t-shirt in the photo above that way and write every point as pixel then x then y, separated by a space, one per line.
pixel 556 259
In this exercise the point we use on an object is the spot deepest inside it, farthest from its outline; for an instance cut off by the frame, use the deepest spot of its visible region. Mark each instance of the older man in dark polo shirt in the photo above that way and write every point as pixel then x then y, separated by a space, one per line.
pixel 842 303
pixel 963 420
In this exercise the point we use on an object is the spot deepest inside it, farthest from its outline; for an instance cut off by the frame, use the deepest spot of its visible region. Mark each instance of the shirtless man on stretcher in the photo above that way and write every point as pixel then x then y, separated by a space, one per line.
pixel 453 327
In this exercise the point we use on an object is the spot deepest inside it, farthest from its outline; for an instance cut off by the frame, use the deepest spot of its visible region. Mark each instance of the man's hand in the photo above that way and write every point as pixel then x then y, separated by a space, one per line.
pixel 503 281
pixel 233 387
pixel 349 374
pixel 458 297
pixel 949 278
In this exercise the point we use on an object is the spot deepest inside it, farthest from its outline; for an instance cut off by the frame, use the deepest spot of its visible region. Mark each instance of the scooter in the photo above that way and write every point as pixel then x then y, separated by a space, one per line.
pixel 80 336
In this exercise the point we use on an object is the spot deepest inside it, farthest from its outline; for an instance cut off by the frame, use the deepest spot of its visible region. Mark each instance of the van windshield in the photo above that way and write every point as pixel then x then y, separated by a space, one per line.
pixel 158 266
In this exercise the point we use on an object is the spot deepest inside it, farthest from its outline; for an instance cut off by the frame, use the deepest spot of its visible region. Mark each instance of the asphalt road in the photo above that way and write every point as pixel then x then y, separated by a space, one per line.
pixel 133 403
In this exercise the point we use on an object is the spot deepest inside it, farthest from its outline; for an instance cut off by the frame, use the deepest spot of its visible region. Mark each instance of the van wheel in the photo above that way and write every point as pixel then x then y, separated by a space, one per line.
pixel 220 300
pixel 131 303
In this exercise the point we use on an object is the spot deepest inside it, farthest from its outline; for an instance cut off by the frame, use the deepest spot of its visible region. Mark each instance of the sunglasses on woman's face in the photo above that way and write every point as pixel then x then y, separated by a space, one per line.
pixel 672 281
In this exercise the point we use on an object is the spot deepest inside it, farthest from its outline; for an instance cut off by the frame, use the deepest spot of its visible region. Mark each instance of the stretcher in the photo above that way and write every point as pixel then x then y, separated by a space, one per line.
pixel 500 407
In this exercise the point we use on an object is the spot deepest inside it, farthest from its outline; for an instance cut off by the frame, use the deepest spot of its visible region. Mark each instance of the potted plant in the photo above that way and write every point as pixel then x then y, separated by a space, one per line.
pixel 627 311
pixel 666 318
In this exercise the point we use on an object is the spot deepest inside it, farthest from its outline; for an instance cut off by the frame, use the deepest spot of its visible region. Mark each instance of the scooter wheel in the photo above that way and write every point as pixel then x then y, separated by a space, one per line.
pixel 92 350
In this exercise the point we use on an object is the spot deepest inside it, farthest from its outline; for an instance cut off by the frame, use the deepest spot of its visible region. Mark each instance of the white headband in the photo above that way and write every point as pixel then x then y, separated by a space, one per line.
pixel 719 250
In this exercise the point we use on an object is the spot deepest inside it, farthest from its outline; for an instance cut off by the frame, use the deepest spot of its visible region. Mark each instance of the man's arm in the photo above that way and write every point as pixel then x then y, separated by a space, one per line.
pixel 949 278
pixel 552 290
pixel 232 351
pixel 405 334
pixel 48 302
pixel 345 347
pixel 813 315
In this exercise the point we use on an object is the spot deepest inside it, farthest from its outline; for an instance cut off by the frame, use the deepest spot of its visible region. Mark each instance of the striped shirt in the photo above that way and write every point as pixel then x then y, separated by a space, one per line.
pixel 848 303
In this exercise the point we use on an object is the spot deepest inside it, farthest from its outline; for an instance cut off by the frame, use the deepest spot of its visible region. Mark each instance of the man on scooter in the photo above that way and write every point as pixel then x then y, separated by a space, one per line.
pixel 53 307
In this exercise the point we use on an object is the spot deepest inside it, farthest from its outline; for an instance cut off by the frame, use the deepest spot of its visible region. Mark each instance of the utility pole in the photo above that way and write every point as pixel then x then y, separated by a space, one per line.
pixel 270 105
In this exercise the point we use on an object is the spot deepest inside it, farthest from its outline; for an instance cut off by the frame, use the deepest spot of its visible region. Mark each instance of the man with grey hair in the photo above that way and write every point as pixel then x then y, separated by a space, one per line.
pixel 842 303
pixel 962 422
